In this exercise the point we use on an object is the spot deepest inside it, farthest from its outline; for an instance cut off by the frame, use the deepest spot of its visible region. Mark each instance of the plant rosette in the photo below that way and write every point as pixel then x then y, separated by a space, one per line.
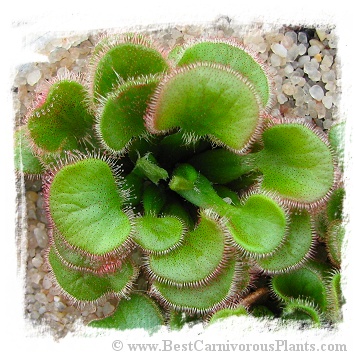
pixel 169 166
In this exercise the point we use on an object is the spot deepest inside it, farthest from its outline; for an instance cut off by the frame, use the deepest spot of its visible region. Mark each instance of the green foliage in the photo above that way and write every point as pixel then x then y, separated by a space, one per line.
pixel 118 59
pixel 81 285
pixel 119 119
pixel 227 99
pixel 179 175
pixel 336 140
pixel 139 311
pixel 25 159
pixel 312 292
pixel 63 121
pixel 85 205
pixel 227 312
pixel 191 263
pixel 295 249
pixel 306 282
pixel 255 239
pixel 292 159
pixel 232 54
pixel 158 234
pixel 200 298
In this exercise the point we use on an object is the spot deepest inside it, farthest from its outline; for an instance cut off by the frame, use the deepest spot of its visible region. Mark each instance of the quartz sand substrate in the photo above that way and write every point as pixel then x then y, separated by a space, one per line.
pixel 303 61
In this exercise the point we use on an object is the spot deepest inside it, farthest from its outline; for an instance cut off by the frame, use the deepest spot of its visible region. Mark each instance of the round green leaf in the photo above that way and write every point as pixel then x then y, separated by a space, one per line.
pixel 81 260
pixel 124 58
pixel 302 310
pixel 120 119
pixel 203 298
pixel 228 53
pixel 296 163
pixel 85 206
pixel 158 234
pixel 198 258
pixel 295 249
pixel 258 226
pixel 83 286
pixel 74 257
pixel 63 120
pixel 206 100
pixel 305 283
pixel 227 312
pixel 138 311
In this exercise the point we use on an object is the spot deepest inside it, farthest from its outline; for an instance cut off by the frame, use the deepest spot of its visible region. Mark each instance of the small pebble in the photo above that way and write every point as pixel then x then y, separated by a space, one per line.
pixel 316 92
pixel 315 42
pixel 287 41
pixel 275 60
pixel 32 196
pixel 302 49
pixel 107 308
pixel 40 297
pixel 302 37
pixel 34 315
pixel 303 60
pixel 37 261
pixel 327 124
pixel 58 54
pixel 42 310
pixel 311 69
pixel 33 77
pixel 281 98
pixel 327 101
pixel 327 61
pixel 331 86
pixel 41 237
pixel 288 69
pixel 312 110
pixel 288 89
pixel 35 279
pixel 332 42
pixel 292 35
pixel 318 57
pixel 328 76
pixel 321 34
pixel 47 282
pixel 321 110
pixel 292 53
pixel 279 50
pixel 59 306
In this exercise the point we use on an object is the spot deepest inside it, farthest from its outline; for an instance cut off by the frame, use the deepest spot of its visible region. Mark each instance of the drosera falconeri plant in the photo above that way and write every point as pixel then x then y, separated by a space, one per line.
pixel 169 166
